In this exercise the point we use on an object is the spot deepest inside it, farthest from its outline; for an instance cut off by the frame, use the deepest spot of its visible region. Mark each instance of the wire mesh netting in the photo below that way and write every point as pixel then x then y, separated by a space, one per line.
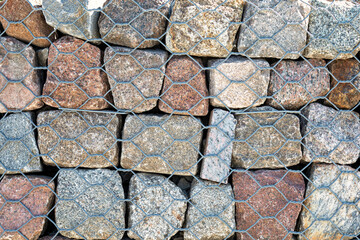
pixel 179 119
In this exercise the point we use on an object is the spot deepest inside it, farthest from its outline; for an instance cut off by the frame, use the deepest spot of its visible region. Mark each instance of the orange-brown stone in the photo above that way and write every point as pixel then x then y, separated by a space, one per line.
pixel 30 23
pixel 30 197
pixel 184 87
pixel 72 80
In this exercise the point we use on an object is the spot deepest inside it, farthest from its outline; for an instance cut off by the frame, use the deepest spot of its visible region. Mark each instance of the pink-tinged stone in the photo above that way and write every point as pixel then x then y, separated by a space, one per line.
pixel 18 66
pixel 184 87
pixel 293 84
pixel 218 146
pixel 72 80
pixel 264 210
pixel 35 197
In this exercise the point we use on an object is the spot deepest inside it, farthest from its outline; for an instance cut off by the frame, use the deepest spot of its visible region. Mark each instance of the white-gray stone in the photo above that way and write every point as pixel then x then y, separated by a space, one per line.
pixel 157 207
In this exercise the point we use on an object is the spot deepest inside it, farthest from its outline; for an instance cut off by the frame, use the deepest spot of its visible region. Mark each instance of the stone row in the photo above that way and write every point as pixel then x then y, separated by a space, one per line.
pixel 171 144
pixel 140 80
pixel 267 29
pixel 90 204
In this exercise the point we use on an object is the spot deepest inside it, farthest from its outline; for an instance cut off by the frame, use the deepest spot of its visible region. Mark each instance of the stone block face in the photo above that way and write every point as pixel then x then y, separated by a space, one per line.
pixel 32 22
pixel 218 146
pixel 154 143
pixel 184 87
pixel 137 21
pixel 294 84
pixel 18 65
pixel 330 136
pixel 332 201
pixel 19 152
pixel 211 214
pixel 333 29
pixel 264 210
pixel 238 82
pixel 84 193
pixel 344 95
pixel 23 200
pixel 200 31
pixel 78 68
pixel 274 29
pixel 266 138
pixel 158 206
pixel 79 139
pixel 78 18
pixel 134 86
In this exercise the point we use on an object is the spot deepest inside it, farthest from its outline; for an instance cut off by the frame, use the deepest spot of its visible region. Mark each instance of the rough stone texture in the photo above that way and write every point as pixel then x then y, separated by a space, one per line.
pixel 332 201
pixel 69 138
pixel 188 96
pixel 32 196
pixel 143 19
pixel 85 82
pixel 18 151
pixel 78 18
pixel 130 80
pixel 211 214
pixel 345 94
pixel 154 194
pixel 293 84
pixel 85 193
pixel 149 144
pixel 330 136
pixel 18 66
pixel 218 146
pixel 258 199
pixel 333 29
pixel 204 28
pixel 266 138
pixel 282 25
pixel 31 24
pixel 42 56
pixel 250 82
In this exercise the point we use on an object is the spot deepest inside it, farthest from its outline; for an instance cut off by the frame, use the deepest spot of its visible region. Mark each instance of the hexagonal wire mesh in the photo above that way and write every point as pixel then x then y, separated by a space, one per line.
pixel 179 119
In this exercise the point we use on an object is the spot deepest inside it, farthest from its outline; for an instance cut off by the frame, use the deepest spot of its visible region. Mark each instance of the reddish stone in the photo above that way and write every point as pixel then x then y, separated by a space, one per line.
pixel 31 22
pixel 346 94
pixel 268 202
pixel 84 81
pixel 184 97
pixel 21 216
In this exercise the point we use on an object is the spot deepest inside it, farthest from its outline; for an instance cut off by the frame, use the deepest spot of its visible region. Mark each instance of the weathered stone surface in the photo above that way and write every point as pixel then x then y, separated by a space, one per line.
pixel 18 65
pixel 78 18
pixel 31 25
pixel 18 151
pixel 155 195
pixel 204 28
pixel 154 143
pixel 293 84
pixel 345 94
pixel 132 84
pixel 136 22
pixel 218 146
pixel 90 202
pixel 31 197
pixel 258 200
pixel 85 81
pixel 211 214
pixel 42 56
pixel 187 97
pixel 72 139
pixel 238 82
pixel 330 136
pixel 266 138
pixel 331 208
pixel 333 29
pixel 274 29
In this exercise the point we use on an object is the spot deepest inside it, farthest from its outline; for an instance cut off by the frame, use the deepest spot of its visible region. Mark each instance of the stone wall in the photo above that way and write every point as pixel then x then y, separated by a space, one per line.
pixel 179 119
